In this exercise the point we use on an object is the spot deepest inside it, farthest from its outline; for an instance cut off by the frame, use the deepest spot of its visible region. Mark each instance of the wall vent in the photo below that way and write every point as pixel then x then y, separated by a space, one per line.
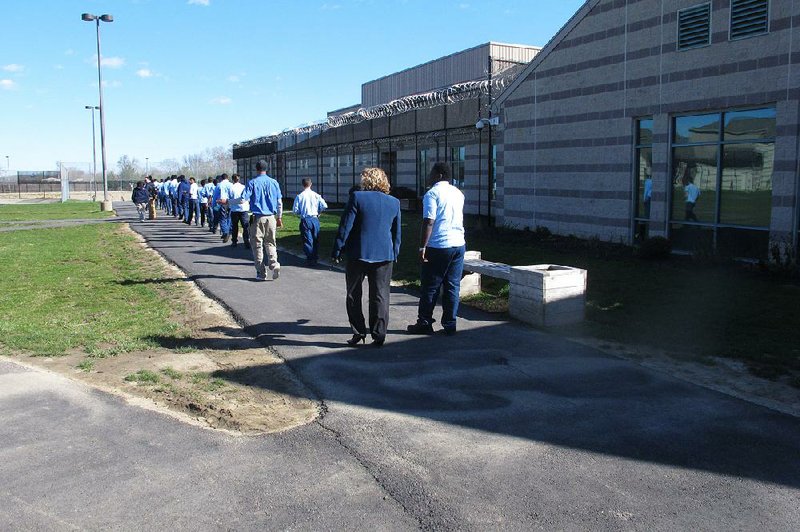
pixel 749 17
pixel 694 26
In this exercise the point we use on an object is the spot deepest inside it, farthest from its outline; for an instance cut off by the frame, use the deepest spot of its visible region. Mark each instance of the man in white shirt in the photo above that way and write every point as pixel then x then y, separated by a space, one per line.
pixel 308 205
pixel 194 204
pixel 240 212
pixel 441 252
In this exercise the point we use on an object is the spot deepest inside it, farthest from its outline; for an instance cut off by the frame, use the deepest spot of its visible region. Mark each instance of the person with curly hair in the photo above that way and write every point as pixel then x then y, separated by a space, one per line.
pixel 369 234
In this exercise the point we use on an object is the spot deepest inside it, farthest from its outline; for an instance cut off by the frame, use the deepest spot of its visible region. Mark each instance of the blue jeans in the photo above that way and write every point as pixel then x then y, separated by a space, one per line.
pixel 192 209
pixel 442 271
pixel 309 230
pixel 168 205
pixel 224 217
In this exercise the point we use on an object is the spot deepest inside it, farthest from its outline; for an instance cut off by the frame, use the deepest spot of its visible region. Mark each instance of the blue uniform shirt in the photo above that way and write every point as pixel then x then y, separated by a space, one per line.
pixel 264 195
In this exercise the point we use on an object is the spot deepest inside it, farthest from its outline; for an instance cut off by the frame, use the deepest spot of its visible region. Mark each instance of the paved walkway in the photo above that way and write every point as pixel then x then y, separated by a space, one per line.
pixel 501 426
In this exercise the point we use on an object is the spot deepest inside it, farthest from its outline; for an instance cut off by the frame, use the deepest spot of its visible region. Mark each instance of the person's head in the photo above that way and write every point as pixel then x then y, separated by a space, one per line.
pixel 223 177
pixel 439 172
pixel 235 178
pixel 148 179
pixel 139 184
pixel 191 180
pixel 374 179
pixel 173 177
pixel 203 182
pixel 306 182
pixel 215 181
pixel 261 166
pixel 181 177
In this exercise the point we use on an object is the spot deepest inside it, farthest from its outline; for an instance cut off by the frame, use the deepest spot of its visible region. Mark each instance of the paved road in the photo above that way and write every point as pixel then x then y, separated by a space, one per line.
pixel 499 427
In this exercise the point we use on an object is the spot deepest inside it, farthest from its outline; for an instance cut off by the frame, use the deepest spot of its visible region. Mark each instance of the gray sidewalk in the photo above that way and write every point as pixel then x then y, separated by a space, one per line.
pixel 499 427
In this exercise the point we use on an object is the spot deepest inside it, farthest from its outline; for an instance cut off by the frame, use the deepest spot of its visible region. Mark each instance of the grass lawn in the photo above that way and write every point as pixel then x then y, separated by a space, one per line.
pixel 74 288
pixel 51 211
pixel 690 310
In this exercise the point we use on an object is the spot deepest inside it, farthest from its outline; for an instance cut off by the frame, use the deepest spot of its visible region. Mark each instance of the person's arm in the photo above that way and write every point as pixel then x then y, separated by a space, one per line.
pixel 397 233
pixel 296 205
pixel 426 228
pixel 345 226
pixel 279 216
pixel 322 205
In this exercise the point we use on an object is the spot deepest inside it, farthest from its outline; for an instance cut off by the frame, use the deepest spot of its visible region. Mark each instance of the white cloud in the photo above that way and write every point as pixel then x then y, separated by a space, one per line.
pixel 145 73
pixel 220 100
pixel 112 62
pixel 69 51
pixel 330 7
pixel 7 84
pixel 233 78
pixel 463 6
pixel 199 2
pixel 13 67
pixel 115 84
pixel 58 67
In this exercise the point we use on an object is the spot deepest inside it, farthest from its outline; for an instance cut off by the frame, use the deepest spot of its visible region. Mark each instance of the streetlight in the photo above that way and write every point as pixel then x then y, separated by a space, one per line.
pixel 147 165
pixel 94 151
pixel 87 17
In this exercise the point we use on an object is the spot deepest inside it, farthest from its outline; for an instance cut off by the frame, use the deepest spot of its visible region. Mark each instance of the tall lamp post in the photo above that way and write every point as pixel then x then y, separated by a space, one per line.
pixel 87 17
pixel 94 152
pixel 147 165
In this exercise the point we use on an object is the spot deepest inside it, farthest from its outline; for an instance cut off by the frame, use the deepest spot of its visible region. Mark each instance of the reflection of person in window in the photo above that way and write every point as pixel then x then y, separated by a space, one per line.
pixel 647 194
pixel 692 193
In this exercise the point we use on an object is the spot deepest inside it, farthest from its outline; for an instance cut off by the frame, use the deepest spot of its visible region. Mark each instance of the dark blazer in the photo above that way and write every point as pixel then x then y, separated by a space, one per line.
pixel 370 227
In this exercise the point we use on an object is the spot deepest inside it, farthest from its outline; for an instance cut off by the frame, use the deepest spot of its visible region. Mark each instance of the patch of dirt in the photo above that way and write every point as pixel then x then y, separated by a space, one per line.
pixel 213 375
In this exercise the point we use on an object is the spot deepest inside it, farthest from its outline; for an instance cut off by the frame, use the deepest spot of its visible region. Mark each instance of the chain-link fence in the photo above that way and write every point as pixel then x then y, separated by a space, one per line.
pixel 79 183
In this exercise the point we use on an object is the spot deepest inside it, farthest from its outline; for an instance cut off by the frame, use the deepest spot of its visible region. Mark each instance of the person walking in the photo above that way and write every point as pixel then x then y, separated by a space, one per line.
pixel 240 214
pixel 213 219
pixel 140 197
pixel 308 205
pixel 221 196
pixel 441 252
pixel 369 234
pixel 152 193
pixel 193 208
pixel 264 195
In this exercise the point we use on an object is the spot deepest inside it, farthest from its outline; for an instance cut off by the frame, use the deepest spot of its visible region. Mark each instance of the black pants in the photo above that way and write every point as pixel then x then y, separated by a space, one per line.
pixel 379 275
pixel 242 218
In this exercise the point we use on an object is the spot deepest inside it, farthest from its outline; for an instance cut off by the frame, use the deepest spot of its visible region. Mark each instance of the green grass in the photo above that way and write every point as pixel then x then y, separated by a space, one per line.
pixel 52 211
pixel 143 376
pixel 86 365
pixel 677 305
pixel 172 373
pixel 81 288
pixel 207 383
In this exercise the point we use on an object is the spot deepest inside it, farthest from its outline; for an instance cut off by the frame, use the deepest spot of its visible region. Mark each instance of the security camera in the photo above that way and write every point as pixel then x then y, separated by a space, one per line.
pixel 479 124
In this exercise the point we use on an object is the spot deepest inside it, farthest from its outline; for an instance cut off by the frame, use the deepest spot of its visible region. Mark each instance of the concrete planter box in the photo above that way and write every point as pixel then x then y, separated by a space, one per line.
pixel 547 294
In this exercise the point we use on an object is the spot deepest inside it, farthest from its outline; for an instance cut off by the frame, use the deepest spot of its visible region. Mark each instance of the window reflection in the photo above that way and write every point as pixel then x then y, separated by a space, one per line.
pixel 694 183
pixel 746 184
pixel 644 182
pixel 751 124
pixel 697 128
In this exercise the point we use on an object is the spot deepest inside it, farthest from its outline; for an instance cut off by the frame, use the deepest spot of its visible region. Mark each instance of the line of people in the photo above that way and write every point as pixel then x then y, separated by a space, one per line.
pixel 369 235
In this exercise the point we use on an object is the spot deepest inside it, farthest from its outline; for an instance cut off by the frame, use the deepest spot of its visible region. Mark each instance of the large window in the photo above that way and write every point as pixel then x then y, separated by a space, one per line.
pixel 643 185
pixel 722 167
pixel 425 160
pixel 458 157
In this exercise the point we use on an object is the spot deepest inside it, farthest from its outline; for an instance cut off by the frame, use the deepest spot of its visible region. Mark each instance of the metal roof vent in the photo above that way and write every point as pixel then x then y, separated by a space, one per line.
pixel 694 26
pixel 749 17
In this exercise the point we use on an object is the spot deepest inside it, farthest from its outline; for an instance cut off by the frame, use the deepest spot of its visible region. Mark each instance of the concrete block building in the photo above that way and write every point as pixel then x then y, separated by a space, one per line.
pixel 676 118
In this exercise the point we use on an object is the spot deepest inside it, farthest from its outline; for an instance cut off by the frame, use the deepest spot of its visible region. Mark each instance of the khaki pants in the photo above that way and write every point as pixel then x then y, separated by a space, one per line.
pixel 151 209
pixel 262 236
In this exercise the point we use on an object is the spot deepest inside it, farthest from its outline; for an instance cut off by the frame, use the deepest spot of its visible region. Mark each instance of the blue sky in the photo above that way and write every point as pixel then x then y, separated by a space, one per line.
pixel 185 75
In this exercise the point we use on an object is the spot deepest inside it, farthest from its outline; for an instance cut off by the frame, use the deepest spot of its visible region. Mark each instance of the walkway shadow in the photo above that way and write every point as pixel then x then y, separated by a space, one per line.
pixel 485 380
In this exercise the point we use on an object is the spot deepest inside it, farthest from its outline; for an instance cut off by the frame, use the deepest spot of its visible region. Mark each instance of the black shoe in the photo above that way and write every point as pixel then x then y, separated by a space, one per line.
pixel 233 244
pixel 225 238
pixel 377 341
pixel 357 338
pixel 420 328
pixel 449 331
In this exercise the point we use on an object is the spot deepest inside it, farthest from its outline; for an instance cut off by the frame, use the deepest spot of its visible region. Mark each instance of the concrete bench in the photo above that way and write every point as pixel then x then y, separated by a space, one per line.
pixel 543 294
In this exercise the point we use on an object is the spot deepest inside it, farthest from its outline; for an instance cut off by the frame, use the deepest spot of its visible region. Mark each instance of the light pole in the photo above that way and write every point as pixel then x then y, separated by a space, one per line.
pixel 147 165
pixel 8 166
pixel 87 17
pixel 94 152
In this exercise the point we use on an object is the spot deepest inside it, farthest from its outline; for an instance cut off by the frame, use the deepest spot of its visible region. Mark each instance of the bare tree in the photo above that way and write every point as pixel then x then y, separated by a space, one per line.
pixel 129 168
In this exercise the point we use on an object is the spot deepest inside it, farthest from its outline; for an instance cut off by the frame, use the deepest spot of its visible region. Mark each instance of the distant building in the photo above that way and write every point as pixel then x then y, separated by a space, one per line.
pixel 404 123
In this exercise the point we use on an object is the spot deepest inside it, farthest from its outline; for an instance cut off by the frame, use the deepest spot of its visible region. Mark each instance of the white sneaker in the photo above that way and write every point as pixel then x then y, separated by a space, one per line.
pixel 276 270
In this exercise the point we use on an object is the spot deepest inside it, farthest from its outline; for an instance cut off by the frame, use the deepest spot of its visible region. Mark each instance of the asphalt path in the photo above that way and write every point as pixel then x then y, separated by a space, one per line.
pixel 499 427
